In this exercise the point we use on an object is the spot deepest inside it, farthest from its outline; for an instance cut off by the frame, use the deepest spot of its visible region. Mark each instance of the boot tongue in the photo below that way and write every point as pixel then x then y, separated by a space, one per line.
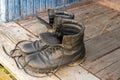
pixel 71 35
pixel 49 38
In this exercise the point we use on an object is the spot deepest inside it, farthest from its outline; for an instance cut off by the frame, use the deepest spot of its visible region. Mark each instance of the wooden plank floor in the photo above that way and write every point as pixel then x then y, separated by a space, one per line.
pixel 102 53
pixel 102 36
pixel 10 34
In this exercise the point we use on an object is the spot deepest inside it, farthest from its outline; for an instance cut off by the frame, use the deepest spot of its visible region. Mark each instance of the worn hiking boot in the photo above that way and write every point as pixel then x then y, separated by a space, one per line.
pixel 55 50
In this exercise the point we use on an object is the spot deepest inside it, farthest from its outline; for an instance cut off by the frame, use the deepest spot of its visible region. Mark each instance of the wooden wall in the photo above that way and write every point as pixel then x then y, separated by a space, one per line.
pixel 15 9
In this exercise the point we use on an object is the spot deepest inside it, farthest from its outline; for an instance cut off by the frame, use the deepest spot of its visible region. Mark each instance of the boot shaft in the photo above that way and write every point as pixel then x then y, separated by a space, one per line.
pixel 57 13
pixel 72 32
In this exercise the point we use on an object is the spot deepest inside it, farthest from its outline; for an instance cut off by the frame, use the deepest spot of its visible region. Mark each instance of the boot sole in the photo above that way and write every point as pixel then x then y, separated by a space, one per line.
pixel 78 62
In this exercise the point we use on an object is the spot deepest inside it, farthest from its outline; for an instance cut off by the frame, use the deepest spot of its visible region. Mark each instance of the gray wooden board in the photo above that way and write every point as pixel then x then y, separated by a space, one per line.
pixel 89 11
pixel 10 34
pixel 102 52
pixel 33 26
pixel 102 45
pixel 112 72
pixel 15 33
pixel 103 62
pixel 98 19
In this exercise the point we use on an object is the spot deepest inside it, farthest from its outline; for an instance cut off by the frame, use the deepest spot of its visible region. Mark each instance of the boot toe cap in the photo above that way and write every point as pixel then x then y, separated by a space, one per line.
pixel 27 47
pixel 37 63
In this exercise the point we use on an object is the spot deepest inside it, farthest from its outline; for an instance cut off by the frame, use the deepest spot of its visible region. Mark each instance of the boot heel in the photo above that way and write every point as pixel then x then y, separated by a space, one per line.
pixel 78 62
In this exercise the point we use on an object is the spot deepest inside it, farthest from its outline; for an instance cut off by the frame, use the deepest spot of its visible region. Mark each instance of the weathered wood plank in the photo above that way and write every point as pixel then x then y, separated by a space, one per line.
pixel 25 21
pixel 94 25
pixel 102 45
pixel 15 33
pixel 112 72
pixel 102 24
pixel 104 62
pixel 34 26
pixel 75 73
pixel 39 29
pixel 89 11
pixel 97 18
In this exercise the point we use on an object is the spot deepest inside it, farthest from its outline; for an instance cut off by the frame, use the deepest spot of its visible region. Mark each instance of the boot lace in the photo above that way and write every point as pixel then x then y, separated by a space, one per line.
pixel 16 57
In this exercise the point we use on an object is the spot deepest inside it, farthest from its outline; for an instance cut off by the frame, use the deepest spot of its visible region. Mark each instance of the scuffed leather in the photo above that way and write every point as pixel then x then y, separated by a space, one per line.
pixel 59 53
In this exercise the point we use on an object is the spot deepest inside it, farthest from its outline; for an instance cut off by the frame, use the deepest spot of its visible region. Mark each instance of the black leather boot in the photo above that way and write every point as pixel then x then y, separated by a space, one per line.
pixel 53 52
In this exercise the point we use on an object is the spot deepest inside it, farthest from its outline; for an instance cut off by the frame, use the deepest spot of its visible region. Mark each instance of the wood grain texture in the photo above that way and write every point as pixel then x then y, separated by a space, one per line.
pixel 111 73
pixel 33 26
pixel 97 18
pixel 102 55
pixel 102 45
pixel 15 33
